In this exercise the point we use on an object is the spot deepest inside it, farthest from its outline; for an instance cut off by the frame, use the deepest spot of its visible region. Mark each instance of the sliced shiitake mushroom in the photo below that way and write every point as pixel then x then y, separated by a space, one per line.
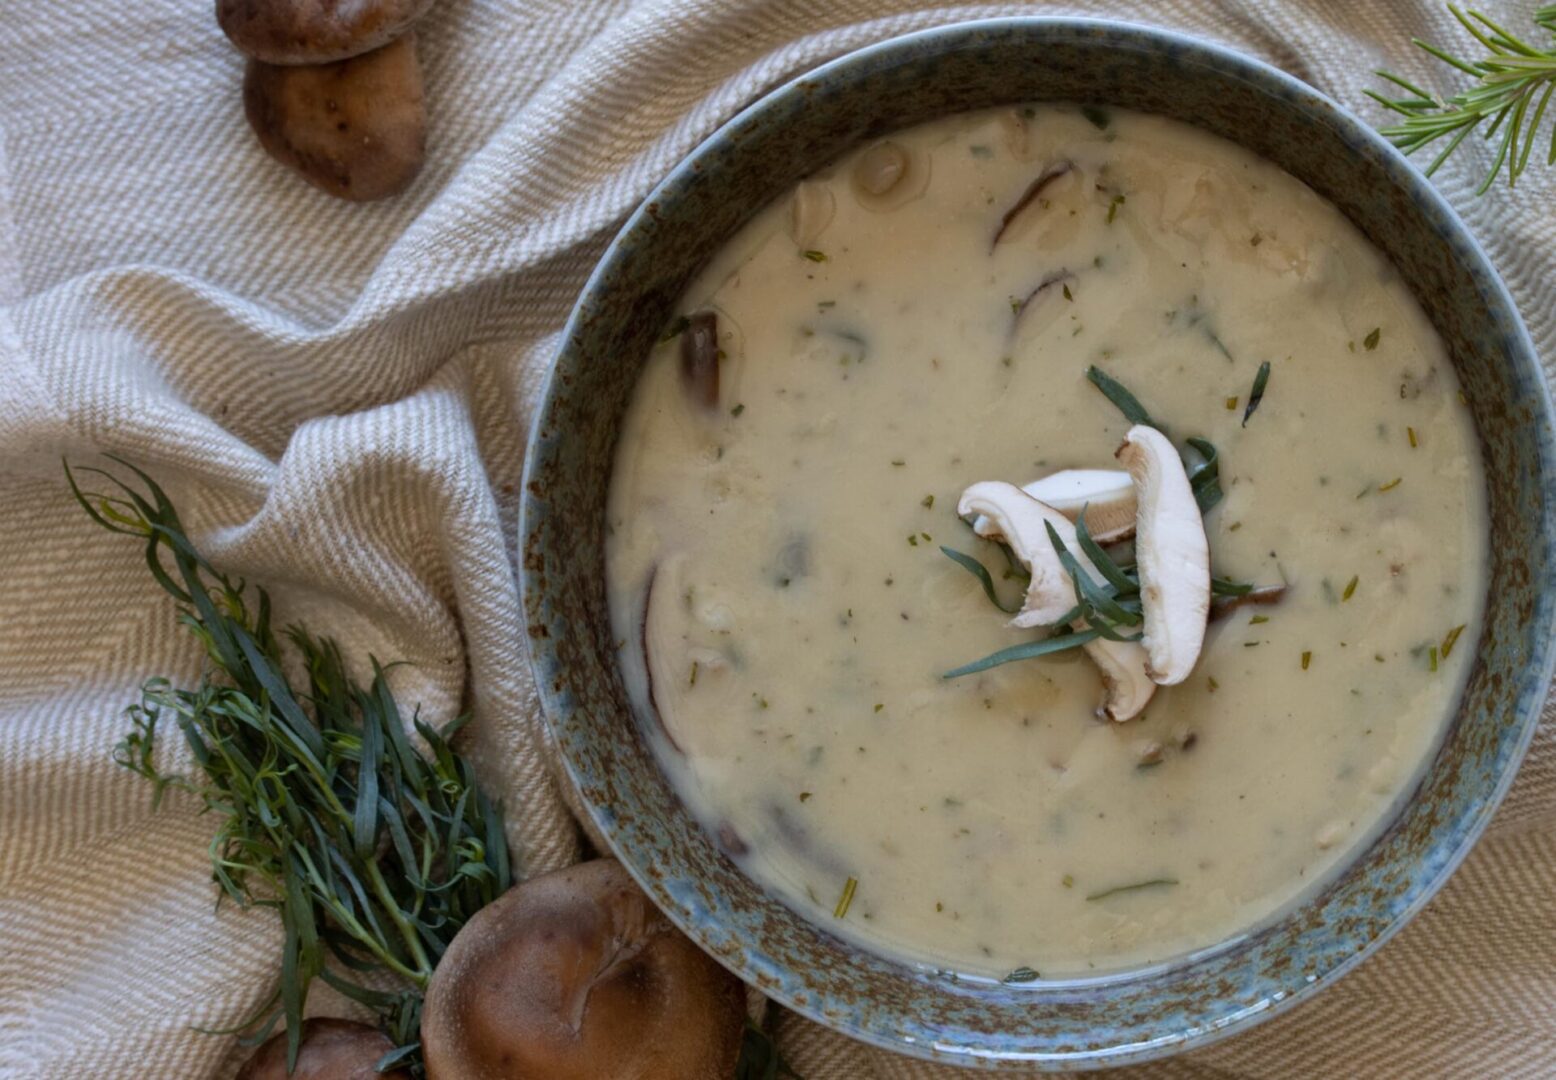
pixel 1171 553
pixel 575 975
pixel 889 174
pixel 1001 511
pixel 356 129
pixel 1046 179
pixel 1107 496
pixel 1010 514
pixel 315 31
pixel 810 212
pixel 328 1050
pixel 700 358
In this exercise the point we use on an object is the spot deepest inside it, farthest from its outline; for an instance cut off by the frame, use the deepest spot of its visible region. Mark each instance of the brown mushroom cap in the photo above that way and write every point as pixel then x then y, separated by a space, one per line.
pixel 315 31
pixel 356 129
pixel 330 1050
pixel 575 975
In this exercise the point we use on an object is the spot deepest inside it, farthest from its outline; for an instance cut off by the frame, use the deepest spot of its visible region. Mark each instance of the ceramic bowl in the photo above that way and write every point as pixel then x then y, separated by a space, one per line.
pixel 754 159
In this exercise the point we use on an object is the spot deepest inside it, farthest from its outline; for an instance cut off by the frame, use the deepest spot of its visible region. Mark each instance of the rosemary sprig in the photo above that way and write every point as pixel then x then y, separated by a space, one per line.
pixel 372 854
pixel 1514 77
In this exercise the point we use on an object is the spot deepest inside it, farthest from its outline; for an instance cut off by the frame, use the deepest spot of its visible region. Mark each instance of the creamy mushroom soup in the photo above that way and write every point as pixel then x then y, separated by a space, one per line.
pixel 944 309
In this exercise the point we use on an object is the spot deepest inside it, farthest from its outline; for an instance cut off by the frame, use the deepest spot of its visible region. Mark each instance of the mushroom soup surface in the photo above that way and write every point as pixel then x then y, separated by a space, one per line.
pixel 940 313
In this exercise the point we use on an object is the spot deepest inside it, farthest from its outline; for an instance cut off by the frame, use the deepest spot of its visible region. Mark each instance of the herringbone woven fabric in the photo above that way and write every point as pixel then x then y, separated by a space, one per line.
pixel 337 397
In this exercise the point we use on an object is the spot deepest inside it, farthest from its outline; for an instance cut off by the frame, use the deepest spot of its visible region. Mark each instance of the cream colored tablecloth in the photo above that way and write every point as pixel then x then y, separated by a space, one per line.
pixel 337 397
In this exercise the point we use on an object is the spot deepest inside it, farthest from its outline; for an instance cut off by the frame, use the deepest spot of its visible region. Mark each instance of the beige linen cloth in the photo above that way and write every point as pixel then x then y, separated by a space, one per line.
pixel 337 398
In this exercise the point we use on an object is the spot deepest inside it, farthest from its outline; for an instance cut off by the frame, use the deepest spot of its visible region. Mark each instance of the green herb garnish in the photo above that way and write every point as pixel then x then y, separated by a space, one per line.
pixel 676 328
pixel 1513 77
pixel 738 409
pixel 846 899
pixel 1102 607
pixel 815 256
pixel 1027 650
pixel 1257 394
pixel 1021 975
pixel 1307 658
pixel 1226 587
pixel 1370 342
pixel 1451 639
pixel 979 571
pixel 1205 478
pixel 1121 398
pixel 1350 587
pixel 372 855
pixel 1391 485
pixel 1117 201
pixel 1135 887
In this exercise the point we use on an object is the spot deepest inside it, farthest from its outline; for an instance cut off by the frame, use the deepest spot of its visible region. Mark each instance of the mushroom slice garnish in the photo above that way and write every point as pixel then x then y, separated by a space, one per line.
pixel 1171 553
pixel 1107 496
pixel 1007 513
pixel 1002 511
pixel 1128 685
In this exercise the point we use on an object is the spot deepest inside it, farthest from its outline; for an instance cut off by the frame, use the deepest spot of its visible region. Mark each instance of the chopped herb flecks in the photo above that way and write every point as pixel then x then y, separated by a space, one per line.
pixel 1135 887
pixel 1451 639
pixel 846 899
pixel 676 328
pixel 1257 395
pixel 1370 342
pixel 816 256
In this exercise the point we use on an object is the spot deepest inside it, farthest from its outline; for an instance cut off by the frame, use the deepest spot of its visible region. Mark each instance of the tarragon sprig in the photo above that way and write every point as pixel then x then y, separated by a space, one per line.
pixel 1513 86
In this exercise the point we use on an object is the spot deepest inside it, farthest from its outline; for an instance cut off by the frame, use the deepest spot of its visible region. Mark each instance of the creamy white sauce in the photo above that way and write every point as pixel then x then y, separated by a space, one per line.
pixel 804 614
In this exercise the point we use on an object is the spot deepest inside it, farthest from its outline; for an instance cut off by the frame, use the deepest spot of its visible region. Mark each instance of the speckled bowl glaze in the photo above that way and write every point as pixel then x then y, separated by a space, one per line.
pixel 755 158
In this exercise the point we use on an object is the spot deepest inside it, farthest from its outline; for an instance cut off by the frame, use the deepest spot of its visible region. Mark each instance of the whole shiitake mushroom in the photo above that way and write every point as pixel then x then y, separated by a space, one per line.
pixel 315 31
pixel 329 1050
pixel 575 975
pixel 356 128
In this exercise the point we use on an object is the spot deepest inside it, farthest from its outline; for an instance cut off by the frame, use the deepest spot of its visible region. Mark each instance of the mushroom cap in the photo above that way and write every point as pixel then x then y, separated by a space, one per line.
pixel 314 31
pixel 1107 496
pixel 575 975
pixel 1171 552
pixel 356 128
pixel 1002 511
pixel 330 1050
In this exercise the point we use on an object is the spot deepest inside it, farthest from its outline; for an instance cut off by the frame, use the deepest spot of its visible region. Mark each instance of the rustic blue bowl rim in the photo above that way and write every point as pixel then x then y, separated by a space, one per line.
pixel 1451 845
